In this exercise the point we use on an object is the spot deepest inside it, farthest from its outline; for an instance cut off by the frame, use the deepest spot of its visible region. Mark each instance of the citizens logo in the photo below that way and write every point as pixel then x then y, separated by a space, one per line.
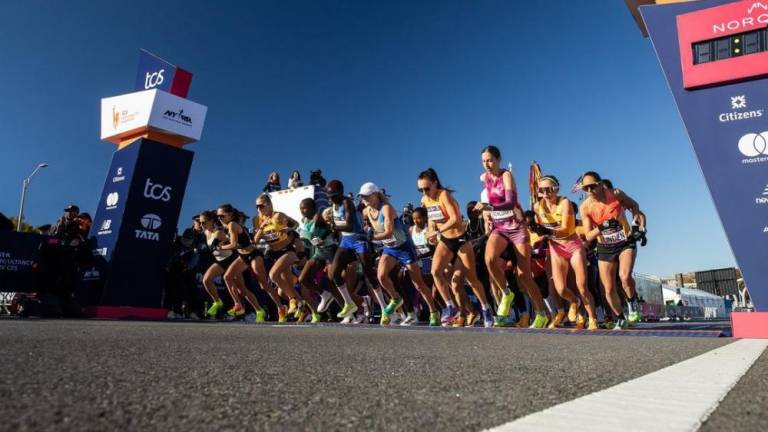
pixel 157 191
pixel 763 198
pixel 112 199
pixel 106 227
pixel 118 175
pixel 739 102
pixel 178 117
pixel 151 223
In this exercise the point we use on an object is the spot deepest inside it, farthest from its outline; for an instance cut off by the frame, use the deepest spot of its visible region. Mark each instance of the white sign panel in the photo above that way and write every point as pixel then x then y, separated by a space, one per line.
pixel 287 201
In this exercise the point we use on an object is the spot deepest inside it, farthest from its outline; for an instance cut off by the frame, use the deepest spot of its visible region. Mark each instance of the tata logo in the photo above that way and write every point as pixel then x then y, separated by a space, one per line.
pixel 151 223
pixel 112 199
pixel 157 191
pixel 178 117
pixel 153 79
pixel 757 16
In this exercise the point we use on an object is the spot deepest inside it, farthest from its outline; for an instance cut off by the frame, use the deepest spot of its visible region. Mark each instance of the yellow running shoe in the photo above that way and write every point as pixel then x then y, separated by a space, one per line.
pixel 472 317
pixel 316 318
pixel 593 325
pixel 540 321
pixel 236 311
pixel 556 321
pixel 580 322
pixel 261 316
pixel 505 304
pixel 281 314
pixel 573 312
pixel 459 321
pixel 293 306
pixel 385 320
pixel 524 321
pixel 214 309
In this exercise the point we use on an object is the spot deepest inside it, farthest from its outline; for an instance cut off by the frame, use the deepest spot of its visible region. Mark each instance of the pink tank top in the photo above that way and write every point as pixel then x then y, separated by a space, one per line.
pixel 502 219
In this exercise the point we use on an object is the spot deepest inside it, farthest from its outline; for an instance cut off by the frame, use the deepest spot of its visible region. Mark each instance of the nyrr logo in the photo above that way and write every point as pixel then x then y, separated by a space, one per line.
pixel 157 191
pixel 112 199
pixel 154 79
pixel 178 117
pixel 739 102
pixel 151 223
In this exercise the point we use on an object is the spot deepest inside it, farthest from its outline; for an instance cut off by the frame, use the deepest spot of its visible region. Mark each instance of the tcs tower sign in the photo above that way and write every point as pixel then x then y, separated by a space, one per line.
pixel 135 223
pixel 714 54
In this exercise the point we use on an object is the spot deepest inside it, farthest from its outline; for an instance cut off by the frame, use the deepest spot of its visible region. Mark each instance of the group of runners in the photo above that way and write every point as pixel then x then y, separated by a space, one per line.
pixel 547 265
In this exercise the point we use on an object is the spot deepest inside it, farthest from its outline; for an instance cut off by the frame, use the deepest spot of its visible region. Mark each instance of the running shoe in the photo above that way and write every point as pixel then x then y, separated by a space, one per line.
pixel 459 321
pixel 621 324
pixel 326 298
pixel 488 320
pixel 524 320
pixel 592 326
pixel 409 319
pixel 293 306
pixel 193 316
pixel 393 305
pixel 261 316
pixel 501 322
pixel 434 319
pixel 172 315
pixel 281 314
pixel 300 311
pixel 573 311
pixel 358 318
pixel 557 320
pixel 608 323
pixel 349 318
pixel 505 304
pixel 580 322
pixel 447 319
pixel 384 319
pixel 236 311
pixel 472 318
pixel 316 317
pixel 540 321
pixel 214 309
pixel 633 318
pixel 347 310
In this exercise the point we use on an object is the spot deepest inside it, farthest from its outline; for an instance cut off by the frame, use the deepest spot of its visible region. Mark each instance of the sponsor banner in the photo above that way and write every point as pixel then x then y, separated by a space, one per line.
pixel 134 238
pixel 135 113
pixel 726 120
pixel 19 258
pixel 156 73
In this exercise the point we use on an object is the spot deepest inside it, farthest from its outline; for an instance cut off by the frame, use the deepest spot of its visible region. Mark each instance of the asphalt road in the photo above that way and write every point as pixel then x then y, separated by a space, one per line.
pixel 107 375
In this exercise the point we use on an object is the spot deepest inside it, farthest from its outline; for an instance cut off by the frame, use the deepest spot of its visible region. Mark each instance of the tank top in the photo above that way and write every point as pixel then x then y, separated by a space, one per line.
pixel 609 218
pixel 310 230
pixel 218 254
pixel 502 219
pixel 435 211
pixel 553 218
pixel 399 235
pixel 273 233
pixel 340 220
pixel 423 248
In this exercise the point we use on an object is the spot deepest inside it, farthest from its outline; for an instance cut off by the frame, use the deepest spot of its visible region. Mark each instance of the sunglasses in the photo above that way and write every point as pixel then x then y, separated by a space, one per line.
pixel 590 187
pixel 424 190
pixel 544 190
pixel 219 216
pixel 260 206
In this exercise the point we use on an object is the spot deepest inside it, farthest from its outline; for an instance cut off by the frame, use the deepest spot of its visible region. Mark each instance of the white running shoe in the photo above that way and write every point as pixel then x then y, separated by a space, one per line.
pixel 326 298
pixel 359 319
pixel 396 318
pixel 410 319
pixel 348 319
pixel 193 316
pixel 172 315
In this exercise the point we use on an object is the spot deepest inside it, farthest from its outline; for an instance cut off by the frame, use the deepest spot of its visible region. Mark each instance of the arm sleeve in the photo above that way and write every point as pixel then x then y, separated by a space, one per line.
pixel 510 201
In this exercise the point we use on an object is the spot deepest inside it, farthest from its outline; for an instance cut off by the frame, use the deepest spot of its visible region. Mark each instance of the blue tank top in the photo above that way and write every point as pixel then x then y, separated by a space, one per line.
pixel 340 220
pixel 399 234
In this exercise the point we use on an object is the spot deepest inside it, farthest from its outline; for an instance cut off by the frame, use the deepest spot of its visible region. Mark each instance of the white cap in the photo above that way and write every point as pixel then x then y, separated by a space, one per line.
pixel 368 189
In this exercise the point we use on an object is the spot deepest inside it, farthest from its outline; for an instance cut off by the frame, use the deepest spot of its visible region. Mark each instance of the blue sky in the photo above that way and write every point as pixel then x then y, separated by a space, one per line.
pixel 367 91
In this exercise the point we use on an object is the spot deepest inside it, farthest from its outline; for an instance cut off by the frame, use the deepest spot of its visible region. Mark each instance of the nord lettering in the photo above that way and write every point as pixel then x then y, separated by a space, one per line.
pixel 738 24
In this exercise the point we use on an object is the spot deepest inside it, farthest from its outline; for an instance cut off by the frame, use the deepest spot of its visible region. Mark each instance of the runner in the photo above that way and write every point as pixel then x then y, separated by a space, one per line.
pixel 398 248
pixel 508 227
pixel 273 227
pixel 237 241
pixel 556 219
pixel 352 246
pixel 214 235
pixel 321 249
pixel 445 222
pixel 604 219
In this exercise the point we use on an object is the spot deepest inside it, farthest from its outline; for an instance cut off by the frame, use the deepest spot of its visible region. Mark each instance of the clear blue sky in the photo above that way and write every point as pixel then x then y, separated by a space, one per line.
pixel 367 91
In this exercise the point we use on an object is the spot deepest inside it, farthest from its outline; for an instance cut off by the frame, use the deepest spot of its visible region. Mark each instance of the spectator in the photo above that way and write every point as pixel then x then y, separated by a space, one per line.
pixel 67 229
pixel 273 183
pixel 295 180
pixel 316 178
pixel 407 216
pixel 85 222
pixel 44 229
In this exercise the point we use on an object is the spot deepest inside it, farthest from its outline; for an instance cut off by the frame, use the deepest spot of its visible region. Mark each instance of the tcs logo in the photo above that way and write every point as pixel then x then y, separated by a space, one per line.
pixel 157 191
pixel 153 79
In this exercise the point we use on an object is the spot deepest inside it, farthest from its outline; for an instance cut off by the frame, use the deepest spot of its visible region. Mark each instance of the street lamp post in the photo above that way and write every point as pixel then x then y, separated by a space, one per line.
pixel 24 186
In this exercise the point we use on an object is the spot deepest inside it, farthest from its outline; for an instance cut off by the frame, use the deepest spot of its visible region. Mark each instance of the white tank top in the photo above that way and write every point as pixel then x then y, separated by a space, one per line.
pixel 219 255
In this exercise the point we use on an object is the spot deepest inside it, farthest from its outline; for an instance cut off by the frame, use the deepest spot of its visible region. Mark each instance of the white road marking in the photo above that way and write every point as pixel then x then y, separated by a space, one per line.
pixel 677 398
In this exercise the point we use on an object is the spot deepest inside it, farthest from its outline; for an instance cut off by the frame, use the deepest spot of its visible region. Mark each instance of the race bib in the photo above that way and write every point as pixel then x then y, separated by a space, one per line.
pixel 340 222
pixel 502 215
pixel 435 214
pixel 614 236
pixel 271 236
